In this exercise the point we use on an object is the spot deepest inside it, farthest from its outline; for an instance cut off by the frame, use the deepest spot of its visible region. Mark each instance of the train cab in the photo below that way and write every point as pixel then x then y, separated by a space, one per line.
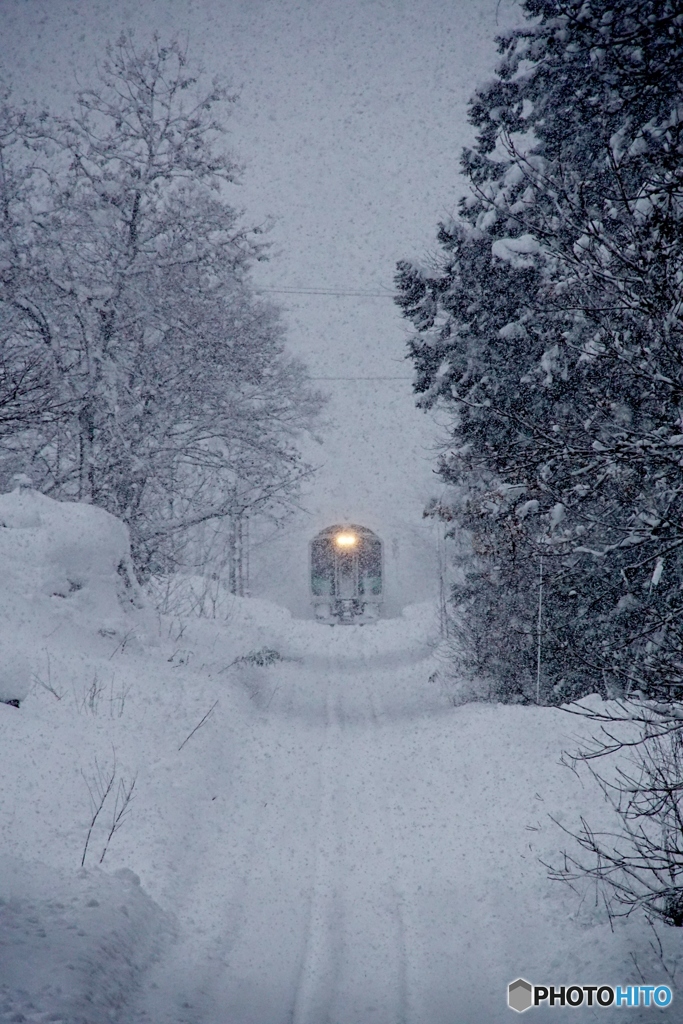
pixel 346 566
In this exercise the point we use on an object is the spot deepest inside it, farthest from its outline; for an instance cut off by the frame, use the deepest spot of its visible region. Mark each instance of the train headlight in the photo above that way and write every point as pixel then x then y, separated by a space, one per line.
pixel 346 540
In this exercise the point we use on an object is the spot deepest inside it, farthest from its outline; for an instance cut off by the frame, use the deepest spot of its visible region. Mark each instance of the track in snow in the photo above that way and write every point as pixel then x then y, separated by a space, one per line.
pixel 355 956
pixel 299 915
pixel 363 856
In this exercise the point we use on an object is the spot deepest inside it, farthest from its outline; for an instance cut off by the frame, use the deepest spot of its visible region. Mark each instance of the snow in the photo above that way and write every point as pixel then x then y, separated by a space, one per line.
pixel 528 506
pixel 519 252
pixel 337 841
pixel 512 331
pixel 57 561
pixel 74 945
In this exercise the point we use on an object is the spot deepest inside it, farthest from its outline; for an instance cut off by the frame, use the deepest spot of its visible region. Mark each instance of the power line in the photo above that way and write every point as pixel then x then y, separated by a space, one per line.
pixel 360 378
pixel 328 291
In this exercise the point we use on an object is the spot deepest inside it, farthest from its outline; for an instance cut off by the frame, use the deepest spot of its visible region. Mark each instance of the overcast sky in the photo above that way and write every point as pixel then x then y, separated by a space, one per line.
pixel 351 122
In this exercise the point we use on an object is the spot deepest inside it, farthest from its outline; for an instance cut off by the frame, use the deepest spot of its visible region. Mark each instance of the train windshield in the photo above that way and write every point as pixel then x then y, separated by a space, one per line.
pixel 345 583
pixel 370 568
pixel 322 567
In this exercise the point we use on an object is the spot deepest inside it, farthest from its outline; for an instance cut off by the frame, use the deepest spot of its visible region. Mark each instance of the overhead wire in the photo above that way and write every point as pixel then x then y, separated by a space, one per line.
pixel 329 291
pixel 360 378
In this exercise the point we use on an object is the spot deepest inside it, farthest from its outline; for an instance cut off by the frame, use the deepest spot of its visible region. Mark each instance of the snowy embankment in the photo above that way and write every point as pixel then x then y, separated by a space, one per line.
pixel 336 842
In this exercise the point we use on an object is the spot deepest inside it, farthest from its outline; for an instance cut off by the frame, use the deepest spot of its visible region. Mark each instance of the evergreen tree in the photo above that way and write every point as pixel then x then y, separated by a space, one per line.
pixel 551 327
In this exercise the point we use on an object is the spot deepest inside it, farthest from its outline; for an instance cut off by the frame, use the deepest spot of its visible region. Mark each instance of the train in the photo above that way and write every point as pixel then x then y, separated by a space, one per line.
pixel 346 574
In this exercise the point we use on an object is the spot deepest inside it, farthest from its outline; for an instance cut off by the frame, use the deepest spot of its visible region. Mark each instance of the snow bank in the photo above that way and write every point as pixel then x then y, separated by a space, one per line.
pixel 59 562
pixel 74 942
pixel 408 637
pixel 74 947
pixel 78 553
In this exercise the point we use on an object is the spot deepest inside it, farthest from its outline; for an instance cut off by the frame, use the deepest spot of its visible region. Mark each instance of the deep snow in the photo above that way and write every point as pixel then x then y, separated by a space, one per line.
pixel 337 842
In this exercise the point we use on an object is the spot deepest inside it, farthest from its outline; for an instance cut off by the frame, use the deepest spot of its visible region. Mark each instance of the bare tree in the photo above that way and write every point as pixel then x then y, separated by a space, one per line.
pixel 640 864
pixel 130 284
pixel 27 398
pixel 99 786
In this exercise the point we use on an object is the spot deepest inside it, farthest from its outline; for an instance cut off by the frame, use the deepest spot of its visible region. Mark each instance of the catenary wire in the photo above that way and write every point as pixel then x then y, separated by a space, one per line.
pixel 327 291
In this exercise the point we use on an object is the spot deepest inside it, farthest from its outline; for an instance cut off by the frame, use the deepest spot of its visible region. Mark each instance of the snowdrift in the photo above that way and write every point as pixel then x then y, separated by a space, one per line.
pixel 74 940
pixel 58 561
pixel 317 831
pixel 74 945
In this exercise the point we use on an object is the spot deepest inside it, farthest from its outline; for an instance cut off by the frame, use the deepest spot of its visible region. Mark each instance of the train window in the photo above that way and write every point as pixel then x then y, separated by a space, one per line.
pixel 346 586
pixel 322 567
pixel 370 568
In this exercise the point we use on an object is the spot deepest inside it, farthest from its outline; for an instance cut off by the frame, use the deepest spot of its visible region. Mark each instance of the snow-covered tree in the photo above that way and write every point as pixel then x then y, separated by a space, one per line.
pixel 25 392
pixel 128 277
pixel 552 327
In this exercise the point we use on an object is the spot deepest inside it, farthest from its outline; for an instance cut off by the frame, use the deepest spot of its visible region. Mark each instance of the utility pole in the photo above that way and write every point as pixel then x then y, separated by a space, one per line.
pixel 538 630
pixel 441 556
pixel 245 556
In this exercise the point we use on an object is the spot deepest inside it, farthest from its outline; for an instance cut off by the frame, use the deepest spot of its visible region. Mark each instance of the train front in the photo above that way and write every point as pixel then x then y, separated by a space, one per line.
pixel 346 570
